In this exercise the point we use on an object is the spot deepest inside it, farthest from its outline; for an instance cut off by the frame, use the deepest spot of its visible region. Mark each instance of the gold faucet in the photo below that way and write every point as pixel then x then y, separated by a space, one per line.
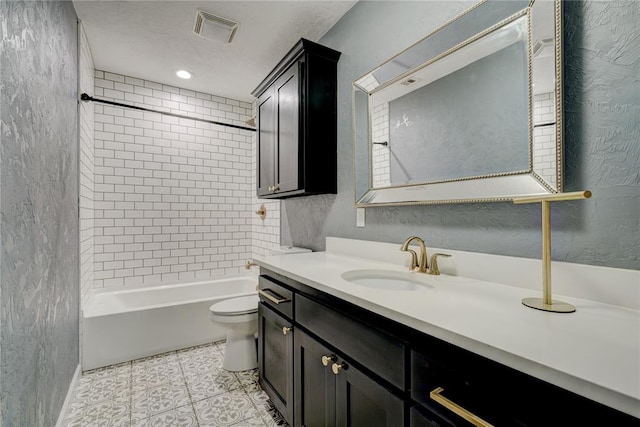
pixel 421 265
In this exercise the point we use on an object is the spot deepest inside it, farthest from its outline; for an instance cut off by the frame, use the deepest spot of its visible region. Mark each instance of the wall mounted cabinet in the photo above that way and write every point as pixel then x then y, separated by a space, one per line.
pixel 296 118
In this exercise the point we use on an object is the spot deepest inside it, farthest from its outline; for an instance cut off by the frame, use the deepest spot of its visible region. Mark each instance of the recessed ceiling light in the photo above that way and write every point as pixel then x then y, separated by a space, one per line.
pixel 184 74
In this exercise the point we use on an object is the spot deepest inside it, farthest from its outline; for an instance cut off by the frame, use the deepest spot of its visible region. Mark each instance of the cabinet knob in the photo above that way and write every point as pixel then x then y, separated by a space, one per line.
pixel 275 188
pixel 326 360
pixel 286 330
pixel 337 367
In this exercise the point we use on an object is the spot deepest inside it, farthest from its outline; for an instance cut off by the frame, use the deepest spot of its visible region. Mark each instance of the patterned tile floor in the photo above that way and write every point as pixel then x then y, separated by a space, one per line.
pixel 181 388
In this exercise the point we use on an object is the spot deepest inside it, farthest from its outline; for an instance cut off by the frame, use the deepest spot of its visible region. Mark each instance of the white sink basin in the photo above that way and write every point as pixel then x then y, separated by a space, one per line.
pixel 387 280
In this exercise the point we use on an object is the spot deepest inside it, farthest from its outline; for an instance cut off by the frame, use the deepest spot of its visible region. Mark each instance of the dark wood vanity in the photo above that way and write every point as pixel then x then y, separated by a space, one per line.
pixel 327 362
pixel 297 136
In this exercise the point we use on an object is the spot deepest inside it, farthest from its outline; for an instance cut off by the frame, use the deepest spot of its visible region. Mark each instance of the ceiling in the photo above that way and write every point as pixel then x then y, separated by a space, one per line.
pixel 151 40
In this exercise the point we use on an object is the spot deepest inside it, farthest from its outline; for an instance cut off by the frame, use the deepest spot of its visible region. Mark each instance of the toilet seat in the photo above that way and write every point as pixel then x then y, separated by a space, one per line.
pixel 235 306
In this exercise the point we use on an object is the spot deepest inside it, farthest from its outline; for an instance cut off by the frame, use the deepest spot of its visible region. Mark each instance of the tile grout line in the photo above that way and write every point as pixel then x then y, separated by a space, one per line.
pixel 130 363
pixel 184 378
pixel 244 390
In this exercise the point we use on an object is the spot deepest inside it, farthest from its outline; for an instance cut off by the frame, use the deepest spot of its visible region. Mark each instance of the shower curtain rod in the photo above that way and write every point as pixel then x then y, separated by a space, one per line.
pixel 86 97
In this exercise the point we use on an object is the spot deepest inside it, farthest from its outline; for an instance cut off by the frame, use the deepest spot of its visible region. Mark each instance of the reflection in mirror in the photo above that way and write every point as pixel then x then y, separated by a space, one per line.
pixel 473 120
pixel 419 118
pixel 543 86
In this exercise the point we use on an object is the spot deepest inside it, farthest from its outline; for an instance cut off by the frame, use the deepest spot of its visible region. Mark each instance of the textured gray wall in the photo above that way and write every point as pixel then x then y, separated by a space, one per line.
pixel 602 97
pixel 39 208
pixel 432 146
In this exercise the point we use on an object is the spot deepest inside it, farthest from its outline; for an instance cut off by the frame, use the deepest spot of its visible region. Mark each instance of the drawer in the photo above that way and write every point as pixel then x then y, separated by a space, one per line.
pixel 376 350
pixel 496 393
pixel 276 296
pixel 448 377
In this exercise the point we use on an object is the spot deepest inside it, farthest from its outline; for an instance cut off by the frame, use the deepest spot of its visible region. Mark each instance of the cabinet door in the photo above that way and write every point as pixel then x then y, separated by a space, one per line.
pixel 287 93
pixel 275 359
pixel 362 402
pixel 315 383
pixel 420 417
pixel 266 173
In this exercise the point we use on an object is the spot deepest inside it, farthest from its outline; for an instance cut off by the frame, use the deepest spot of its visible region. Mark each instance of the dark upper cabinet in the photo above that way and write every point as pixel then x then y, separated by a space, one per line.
pixel 296 116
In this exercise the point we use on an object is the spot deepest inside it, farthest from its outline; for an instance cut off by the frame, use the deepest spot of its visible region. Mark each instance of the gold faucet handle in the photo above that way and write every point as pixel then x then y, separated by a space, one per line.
pixel 414 259
pixel 433 263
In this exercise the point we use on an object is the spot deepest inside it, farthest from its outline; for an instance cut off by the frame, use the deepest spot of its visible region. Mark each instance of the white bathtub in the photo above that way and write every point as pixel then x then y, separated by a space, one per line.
pixel 125 324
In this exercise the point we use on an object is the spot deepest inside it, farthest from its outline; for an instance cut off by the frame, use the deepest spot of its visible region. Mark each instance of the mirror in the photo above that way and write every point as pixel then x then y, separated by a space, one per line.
pixel 470 113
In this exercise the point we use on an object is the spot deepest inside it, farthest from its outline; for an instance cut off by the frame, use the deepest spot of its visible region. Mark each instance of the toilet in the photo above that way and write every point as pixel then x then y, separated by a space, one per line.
pixel 239 316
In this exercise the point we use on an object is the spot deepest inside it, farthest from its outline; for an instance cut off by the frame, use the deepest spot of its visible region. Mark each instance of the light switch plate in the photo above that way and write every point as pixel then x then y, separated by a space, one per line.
pixel 359 217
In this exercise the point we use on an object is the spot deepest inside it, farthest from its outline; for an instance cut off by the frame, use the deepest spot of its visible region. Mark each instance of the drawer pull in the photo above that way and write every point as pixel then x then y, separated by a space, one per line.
pixel 336 368
pixel 326 360
pixel 457 409
pixel 286 330
pixel 277 299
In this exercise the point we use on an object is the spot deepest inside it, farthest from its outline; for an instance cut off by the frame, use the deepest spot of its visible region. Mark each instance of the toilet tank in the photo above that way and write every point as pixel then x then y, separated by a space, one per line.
pixel 288 250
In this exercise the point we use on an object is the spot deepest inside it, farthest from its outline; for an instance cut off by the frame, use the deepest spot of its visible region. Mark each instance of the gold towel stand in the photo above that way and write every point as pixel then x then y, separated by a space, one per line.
pixel 546 303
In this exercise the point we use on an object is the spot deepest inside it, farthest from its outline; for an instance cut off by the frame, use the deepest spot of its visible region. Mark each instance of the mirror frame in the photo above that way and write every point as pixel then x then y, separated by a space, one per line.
pixel 467 189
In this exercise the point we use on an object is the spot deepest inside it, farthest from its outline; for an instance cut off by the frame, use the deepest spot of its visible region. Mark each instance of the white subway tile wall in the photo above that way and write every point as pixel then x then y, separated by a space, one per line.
pixel 174 198
pixel 85 84
pixel 380 161
pixel 544 139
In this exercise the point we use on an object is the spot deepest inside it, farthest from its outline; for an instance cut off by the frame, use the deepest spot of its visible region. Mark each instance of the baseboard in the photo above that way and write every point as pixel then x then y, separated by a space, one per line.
pixel 67 400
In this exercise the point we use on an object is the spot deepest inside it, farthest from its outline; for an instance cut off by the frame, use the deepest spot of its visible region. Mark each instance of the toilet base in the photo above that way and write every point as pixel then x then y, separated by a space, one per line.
pixel 240 353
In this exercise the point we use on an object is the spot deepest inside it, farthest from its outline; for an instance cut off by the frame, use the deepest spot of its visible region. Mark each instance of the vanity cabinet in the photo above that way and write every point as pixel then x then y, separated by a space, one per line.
pixel 275 346
pixel 460 386
pixel 343 365
pixel 296 119
pixel 315 382
pixel 332 389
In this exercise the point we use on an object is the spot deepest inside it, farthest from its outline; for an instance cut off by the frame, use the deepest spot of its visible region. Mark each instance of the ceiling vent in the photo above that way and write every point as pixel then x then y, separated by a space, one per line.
pixel 212 27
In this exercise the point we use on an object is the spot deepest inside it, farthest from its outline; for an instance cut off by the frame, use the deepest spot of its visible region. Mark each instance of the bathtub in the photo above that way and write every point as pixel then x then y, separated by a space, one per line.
pixel 125 324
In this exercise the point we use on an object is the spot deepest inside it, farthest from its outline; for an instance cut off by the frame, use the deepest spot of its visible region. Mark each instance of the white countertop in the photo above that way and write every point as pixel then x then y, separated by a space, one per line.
pixel 594 352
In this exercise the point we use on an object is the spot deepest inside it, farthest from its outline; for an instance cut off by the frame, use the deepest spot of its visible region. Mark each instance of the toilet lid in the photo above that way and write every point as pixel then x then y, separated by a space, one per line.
pixel 238 305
